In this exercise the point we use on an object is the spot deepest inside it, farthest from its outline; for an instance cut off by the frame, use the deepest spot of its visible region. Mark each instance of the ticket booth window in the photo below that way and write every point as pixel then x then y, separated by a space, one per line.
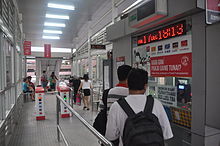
pixel 168 61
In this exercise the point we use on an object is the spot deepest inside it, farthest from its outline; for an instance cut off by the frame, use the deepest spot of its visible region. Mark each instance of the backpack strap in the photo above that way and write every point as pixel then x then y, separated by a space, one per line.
pixel 126 107
pixel 149 104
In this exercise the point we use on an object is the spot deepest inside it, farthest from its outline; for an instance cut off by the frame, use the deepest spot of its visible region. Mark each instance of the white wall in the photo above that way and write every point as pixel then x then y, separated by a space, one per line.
pixel 121 47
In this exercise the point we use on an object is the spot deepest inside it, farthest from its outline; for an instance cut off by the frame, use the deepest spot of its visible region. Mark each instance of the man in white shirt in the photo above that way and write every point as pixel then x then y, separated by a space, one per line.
pixel 121 89
pixel 137 84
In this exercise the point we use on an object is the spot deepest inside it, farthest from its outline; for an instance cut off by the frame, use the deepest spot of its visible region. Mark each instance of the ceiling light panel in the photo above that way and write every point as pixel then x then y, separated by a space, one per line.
pixel 57 16
pixel 61 6
pixel 51 37
pixel 54 24
pixel 52 31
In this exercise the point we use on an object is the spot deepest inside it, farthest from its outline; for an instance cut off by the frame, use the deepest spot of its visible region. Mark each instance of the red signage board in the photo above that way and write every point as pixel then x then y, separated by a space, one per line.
pixel 47 50
pixel 27 47
pixel 179 65
pixel 212 11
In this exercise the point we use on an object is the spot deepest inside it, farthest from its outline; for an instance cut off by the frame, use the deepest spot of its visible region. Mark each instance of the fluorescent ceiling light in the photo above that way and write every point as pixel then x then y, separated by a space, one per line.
pixel 53 31
pixel 74 50
pixel 57 16
pixel 60 6
pixel 57 50
pixel 54 24
pixel 51 37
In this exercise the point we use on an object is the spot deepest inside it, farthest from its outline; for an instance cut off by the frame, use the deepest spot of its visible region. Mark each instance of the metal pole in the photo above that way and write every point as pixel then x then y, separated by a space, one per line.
pixel 58 120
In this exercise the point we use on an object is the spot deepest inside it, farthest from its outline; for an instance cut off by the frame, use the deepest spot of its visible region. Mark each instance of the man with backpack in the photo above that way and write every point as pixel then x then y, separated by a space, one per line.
pixel 138 119
pixel 112 95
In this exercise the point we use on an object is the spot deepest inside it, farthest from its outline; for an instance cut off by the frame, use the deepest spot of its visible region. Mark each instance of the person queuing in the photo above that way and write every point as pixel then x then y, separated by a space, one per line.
pixel 53 79
pixel 145 113
pixel 44 81
pixel 75 83
pixel 86 86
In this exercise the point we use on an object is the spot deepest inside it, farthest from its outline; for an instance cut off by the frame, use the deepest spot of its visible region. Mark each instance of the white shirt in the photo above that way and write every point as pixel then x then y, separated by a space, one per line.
pixel 116 93
pixel 86 85
pixel 117 117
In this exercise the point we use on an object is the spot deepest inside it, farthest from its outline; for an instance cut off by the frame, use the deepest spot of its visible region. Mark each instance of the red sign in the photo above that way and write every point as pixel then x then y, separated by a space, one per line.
pixel 170 31
pixel 27 47
pixel 212 11
pixel 179 65
pixel 119 59
pixel 47 50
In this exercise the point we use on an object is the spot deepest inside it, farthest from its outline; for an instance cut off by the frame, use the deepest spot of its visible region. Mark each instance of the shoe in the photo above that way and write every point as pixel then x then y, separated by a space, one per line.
pixel 84 108
pixel 87 109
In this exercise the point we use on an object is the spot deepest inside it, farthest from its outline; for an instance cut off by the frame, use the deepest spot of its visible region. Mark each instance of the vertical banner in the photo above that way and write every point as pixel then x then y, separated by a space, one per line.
pixel 120 61
pixel 212 11
pixel 47 50
pixel 27 47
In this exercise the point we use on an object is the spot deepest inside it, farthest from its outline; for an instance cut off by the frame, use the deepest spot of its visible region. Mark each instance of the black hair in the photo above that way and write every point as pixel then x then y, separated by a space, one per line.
pixel 123 72
pixel 86 77
pixel 44 71
pixel 137 79
pixel 25 79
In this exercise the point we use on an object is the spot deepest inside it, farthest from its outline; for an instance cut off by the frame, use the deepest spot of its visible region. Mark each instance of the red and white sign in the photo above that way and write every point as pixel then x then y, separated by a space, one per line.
pixel 212 11
pixel 179 65
pixel 27 47
pixel 120 61
pixel 47 50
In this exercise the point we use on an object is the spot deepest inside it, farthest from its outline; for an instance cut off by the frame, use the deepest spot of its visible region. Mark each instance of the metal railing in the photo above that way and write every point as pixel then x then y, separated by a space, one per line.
pixel 100 137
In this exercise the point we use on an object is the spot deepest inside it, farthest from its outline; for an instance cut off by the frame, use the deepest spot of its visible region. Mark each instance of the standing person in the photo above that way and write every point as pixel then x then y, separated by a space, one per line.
pixel 138 104
pixel 76 83
pixel 53 79
pixel 112 95
pixel 121 89
pixel 44 80
pixel 86 86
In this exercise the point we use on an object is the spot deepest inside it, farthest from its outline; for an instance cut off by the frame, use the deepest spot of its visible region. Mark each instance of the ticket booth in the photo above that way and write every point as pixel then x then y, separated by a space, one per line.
pixel 39 103
pixel 64 93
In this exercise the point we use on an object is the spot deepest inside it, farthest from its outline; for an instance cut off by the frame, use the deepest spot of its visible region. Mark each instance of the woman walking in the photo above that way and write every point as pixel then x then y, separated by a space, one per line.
pixel 86 86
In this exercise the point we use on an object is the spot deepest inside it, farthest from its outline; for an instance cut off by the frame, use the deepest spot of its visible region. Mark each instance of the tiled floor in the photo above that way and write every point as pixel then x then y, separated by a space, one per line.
pixel 30 132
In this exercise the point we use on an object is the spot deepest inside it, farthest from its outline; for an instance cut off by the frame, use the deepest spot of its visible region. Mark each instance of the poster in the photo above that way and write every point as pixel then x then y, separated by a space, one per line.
pixel 27 47
pixel 167 95
pixel 143 54
pixel 47 50
pixel 106 77
pixel 212 11
pixel 120 61
pixel 179 65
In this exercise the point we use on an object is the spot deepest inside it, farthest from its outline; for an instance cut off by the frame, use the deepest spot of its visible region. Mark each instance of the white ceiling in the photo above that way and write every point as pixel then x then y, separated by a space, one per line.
pixel 33 15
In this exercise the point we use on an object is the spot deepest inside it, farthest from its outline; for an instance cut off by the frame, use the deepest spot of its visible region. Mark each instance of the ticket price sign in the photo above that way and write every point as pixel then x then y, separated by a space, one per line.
pixel 64 93
pixel 39 103
pixel 167 95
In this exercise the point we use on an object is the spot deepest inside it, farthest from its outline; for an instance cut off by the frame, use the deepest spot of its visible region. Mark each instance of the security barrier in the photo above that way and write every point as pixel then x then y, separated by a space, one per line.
pixel 39 103
pixel 64 93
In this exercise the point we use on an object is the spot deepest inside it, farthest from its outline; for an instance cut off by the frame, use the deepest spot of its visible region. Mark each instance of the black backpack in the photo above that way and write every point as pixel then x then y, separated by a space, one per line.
pixel 143 128
pixel 101 119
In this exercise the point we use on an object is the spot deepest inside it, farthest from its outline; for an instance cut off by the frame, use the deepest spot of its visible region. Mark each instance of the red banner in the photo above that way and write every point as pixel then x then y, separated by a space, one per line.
pixel 47 50
pixel 27 47
pixel 179 65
